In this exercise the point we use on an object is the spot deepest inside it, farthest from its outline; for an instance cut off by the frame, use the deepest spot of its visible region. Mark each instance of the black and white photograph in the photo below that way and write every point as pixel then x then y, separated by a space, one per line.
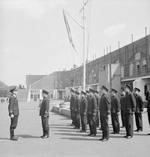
pixel 74 78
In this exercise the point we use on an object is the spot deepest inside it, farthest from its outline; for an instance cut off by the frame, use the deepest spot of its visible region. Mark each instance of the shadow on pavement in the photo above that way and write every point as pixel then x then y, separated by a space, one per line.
pixel 73 134
pixel 28 136
pixel 80 139
pixel 66 128
pixel 135 134
pixel 3 138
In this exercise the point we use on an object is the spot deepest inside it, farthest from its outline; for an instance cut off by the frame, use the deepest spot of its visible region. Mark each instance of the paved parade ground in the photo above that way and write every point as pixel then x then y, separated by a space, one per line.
pixel 64 141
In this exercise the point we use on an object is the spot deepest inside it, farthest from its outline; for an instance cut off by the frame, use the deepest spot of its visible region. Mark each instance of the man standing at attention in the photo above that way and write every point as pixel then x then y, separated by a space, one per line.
pixel 91 112
pixel 115 109
pixel 77 110
pixel 83 111
pixel 130 105
pixel 44 113
pixel 138 110
pixel 72 101
pixel 13 109
pixel 97 111
pixel 104 107
pixel 122 102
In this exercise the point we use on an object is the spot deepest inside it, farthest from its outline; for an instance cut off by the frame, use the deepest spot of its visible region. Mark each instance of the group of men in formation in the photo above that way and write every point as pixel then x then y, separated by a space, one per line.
pixel 13 109
pixel 93 108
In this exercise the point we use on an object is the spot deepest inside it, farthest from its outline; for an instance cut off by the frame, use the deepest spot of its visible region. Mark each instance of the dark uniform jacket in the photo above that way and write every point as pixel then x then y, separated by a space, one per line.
pixel 104 105
pixel 72 100
pixel 83 106
pixel 139 103
pixel 115 104
pixel 130 103
pixel 97 100
pixel 92 105
pixel 123 103
pixel 44 110
pixel 77 104
pixel 148 101
pixel 13 107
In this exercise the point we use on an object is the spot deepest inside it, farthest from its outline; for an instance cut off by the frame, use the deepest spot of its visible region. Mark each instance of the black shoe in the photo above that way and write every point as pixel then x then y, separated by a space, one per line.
pixel 82 131
pixel 93 135
pixel 89 134
pixel 44 137
pixel 137 130
pixel 140 130
pixel 101 139
pixel 129 137
pixel 113 132
pixel 76 127
pixel 148 134
pixel 14 138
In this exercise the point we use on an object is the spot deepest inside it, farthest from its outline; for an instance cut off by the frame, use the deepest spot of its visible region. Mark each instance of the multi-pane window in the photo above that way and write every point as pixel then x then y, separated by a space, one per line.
pixel 138 68
pixel 144 66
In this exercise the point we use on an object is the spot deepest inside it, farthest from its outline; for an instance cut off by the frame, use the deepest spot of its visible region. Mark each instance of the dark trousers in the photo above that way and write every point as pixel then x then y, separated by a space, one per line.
pixel 45 125
pixel 84 122
pixel 92 124
pixel 13 125
pixel 72 116
pixel 129 124
pixel 148 113
pixel 115 122
pixel 77 120
pixel 97 119
pixel 123 118
pixel 138 120
pixel 104 126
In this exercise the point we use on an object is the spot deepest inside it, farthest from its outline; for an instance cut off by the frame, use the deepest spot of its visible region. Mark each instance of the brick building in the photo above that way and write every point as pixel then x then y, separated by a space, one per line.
pixel 129 64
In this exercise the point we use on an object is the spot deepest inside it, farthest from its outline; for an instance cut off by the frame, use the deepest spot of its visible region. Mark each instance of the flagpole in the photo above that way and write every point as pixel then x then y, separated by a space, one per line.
pixel 84 56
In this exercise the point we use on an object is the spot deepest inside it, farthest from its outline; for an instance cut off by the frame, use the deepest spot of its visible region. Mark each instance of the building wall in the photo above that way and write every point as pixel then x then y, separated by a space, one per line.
pixel 128 62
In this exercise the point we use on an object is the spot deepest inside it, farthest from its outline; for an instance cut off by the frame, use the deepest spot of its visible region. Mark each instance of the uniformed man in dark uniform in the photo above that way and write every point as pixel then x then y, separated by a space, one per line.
pixel 77 110
pixel 148 105
pixel 13 109
pixel 97 110
pixel 83 111
pixel 91 113
pixel 104 107
pixel 87 97
pixel 138 110
pixel 122 102
pixel 129 110
pixel 72 100
pixel 44 113
pixel 115 110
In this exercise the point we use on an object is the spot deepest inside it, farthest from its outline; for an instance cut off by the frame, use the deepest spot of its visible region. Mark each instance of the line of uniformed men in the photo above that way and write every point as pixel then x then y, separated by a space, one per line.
pixel 92 109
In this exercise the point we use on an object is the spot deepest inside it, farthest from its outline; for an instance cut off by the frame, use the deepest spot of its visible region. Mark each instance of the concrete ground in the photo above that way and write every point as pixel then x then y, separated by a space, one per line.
pixel 64 141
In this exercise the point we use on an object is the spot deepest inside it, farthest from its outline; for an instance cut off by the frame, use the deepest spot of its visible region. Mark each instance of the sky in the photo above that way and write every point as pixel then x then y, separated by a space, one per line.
pixel 33 36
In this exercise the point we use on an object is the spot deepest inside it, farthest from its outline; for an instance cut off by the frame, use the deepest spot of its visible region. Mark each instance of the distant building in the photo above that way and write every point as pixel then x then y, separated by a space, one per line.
pixel 3 92
pixel 30 79
pixel 129 65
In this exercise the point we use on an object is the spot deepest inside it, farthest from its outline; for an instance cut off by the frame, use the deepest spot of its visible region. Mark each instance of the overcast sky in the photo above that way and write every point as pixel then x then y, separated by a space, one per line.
pixel 33 37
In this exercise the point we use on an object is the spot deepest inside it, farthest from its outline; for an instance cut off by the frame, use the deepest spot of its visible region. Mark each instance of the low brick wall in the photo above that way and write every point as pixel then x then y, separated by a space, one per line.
pixel 61 111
